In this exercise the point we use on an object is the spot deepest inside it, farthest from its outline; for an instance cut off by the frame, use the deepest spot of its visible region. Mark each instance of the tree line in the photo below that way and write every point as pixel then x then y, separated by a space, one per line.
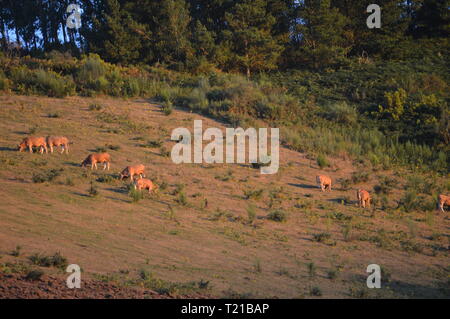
pixel 247 36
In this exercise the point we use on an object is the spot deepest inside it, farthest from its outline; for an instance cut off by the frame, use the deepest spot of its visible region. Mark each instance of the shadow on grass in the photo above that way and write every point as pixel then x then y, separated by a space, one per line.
pixel 307 186
pixel 73 164
pixel 8 149
pixel 81 194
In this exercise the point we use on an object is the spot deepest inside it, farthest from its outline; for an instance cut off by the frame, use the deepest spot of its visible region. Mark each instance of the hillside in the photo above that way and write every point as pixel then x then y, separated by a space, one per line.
pixel 323 248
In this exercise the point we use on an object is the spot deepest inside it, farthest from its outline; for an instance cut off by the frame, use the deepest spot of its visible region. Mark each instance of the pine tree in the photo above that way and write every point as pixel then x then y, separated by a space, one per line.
pixel 172 34
pixel 251 44
pixel 321 40
pixel 117 37
pixel 432 19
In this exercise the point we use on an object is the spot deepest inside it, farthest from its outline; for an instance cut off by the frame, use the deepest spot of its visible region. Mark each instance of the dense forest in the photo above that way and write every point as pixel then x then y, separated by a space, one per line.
pixel 244 35
pixel 313 68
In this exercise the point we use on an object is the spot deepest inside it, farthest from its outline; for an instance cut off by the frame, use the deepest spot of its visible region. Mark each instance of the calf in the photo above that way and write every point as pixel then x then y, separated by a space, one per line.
pixel 443 200
pixel 323 182
pixel 130 171
pixel 93 159
pixel 31 141
pixel 363 198
pixel 144 183
pixel 58 141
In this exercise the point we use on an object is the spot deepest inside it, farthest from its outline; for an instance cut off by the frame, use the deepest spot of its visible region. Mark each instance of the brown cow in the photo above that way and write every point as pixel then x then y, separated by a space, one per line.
pixel 363 198
pixel 144 183
pixel 31 141
pixel 443 200
pixel 93 159
pixel 58 141
pixel 323 182
pixel 130 171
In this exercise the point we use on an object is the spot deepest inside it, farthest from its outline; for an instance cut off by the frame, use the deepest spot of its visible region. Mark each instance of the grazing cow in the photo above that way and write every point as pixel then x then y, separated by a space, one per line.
pixel 93 159
pixel 443 200
pixel 58 141
pixel 323 182
pixel 363 198
pixel 130 171
pixel 144 183
pixel 31 141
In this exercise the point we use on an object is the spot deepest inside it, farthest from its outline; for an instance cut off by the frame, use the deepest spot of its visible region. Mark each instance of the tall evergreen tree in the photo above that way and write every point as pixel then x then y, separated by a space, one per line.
pixel 116 38
pixel 252 44
pixel 320 35
pixel 432 19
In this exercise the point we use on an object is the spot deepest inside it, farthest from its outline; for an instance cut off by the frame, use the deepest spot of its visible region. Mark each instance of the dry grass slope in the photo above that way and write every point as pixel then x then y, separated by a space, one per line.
pixel 248 235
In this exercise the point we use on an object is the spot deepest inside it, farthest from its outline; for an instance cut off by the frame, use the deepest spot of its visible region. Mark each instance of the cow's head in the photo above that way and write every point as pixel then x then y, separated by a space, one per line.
pixel 21 146
pixel 124 174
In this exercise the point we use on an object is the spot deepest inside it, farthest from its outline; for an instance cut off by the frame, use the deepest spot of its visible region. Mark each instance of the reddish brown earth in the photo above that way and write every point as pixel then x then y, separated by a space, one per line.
pixel 110 235
pixel 13 286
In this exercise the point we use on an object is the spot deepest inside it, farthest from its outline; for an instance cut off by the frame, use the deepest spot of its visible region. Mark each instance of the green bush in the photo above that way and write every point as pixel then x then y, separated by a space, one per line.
pixel 56 260
pixel 322 161
pixel 135 194
pixel 277 216
pixel 39 81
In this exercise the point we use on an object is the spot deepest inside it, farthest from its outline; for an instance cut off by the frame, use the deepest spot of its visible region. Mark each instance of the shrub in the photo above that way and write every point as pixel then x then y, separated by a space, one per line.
pixel 57 260
pixel 360 177
pixel 69 181
pixel 311 269
pixel 332 274
pixel 16 251
pixel 322 161
pixel 167 108
pixel 385 186
pixel 341 113
pixel 52 84
pixel 100 149
pixel 95 107
pixel 182 200
pixel 277 216
pixel 106 179
pixel 322 237
pixel 154 143
pixel 46 176
pixel 4 82
pixel 251 214
pixel 93 191
pixel 258 267
pixel 315 291
pixel 253 194
pixel 54 115
pixel 135 194
pixel 164 152
pixel 34 275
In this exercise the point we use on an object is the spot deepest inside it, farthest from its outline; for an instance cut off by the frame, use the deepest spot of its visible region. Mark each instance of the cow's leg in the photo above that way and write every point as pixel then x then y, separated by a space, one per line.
pixel 329 187
pixel 51 148
pixel 45 148
pixel 107 163
pixel 441 207
pixel 30 148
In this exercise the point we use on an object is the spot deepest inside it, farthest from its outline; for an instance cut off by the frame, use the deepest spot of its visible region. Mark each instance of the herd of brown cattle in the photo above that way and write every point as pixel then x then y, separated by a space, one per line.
pixel 323 181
